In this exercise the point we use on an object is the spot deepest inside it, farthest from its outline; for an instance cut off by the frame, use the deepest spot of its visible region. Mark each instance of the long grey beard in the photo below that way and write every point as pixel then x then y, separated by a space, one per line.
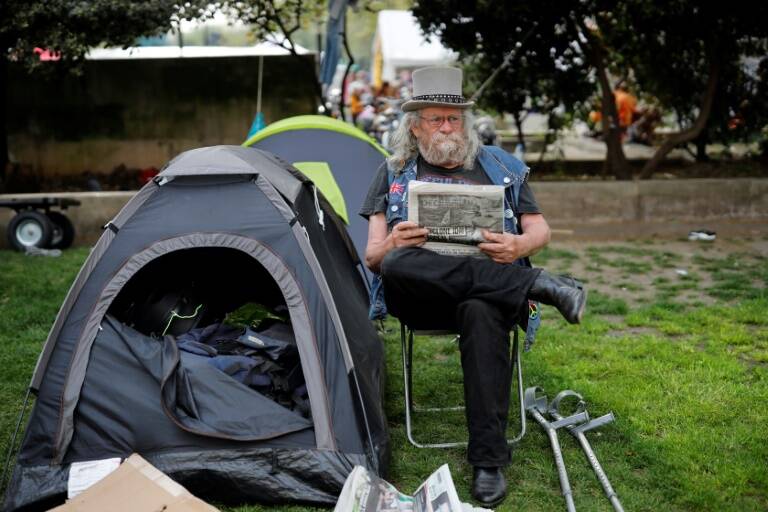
pixel 443 150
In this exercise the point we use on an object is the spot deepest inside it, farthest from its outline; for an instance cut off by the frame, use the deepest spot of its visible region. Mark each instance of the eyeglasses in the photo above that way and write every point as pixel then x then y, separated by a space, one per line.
pixel 437 121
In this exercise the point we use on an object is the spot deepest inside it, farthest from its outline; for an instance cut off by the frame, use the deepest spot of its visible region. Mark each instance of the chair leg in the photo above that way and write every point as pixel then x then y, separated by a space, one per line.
pixel 406 384
pixel 406 342
pixel 410 369
pixel 407 348
pixel 517 364
pixel 406 370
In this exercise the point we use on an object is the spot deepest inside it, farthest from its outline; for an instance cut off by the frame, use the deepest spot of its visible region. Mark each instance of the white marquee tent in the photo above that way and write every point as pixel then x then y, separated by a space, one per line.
pixel 262 49
pixel 399 43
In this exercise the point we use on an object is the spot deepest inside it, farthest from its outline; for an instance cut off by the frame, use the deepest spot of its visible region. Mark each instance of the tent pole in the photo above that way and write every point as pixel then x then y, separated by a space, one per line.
pixel 258 92
pixel 12 444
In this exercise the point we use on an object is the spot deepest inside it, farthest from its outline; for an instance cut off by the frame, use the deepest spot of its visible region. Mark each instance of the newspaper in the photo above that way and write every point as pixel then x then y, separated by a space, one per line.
pixel 364 492
pixel 455 215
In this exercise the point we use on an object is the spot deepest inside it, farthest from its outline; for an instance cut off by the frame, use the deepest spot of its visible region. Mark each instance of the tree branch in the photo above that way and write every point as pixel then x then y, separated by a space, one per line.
pixel 292 48
pixel 351 62
pixel 694 130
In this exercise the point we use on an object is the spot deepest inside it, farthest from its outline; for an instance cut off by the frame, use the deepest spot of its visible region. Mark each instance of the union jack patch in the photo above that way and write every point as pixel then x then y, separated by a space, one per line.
pixel 396 188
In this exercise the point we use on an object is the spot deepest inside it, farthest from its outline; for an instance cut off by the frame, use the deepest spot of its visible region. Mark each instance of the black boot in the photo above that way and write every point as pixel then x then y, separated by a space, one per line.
pixel 488 486
pixel 565 293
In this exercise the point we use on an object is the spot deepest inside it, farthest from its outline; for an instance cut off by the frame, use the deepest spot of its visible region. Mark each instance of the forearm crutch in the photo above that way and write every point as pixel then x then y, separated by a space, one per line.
pixel 536 406
pixel 578 432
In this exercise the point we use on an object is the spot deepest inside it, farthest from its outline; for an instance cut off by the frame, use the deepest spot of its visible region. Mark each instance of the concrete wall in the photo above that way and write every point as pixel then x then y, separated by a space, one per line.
pixel 586 210
pixel 143 112
pixel 664 208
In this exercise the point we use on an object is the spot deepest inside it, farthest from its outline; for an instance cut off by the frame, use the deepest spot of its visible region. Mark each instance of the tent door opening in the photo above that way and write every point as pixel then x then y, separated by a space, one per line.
pixel 218 321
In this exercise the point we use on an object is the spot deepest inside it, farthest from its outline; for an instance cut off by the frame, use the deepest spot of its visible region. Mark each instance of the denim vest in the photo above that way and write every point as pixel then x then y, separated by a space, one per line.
pixel 502 169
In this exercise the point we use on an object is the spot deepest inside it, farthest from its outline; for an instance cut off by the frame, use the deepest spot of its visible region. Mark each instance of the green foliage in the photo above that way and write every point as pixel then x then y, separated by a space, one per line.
pixel 71 27
pixel 667 51
pixel 252 314
pixel 282 17
pixel 695 39
pixel 547 70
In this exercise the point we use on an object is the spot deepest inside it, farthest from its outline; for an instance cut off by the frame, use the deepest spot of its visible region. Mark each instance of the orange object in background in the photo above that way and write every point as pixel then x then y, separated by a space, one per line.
pixel 626 105
pixel 626 108
pixel 355 104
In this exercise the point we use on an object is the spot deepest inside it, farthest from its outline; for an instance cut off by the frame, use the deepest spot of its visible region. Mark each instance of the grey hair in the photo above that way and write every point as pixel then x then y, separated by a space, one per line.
pixel 404 146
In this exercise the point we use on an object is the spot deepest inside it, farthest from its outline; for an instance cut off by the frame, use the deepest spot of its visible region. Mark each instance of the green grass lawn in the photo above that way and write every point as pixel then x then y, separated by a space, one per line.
pixel 681 360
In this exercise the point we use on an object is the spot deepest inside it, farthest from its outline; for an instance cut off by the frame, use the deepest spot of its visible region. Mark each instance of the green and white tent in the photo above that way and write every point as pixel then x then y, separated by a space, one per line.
pixel 341 160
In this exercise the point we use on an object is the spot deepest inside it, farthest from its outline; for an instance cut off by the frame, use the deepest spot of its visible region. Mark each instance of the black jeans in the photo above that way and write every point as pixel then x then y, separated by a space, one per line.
pixel 480 299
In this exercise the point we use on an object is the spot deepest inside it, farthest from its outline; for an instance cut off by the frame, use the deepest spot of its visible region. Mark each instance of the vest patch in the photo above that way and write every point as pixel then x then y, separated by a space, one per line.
pixel 396 188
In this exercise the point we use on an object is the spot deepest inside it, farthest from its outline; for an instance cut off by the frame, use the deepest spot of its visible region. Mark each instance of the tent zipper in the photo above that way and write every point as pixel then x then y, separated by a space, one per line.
pixel 320 214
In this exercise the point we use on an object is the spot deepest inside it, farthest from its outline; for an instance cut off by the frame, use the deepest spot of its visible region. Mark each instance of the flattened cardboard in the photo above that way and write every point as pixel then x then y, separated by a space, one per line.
pixel 136 486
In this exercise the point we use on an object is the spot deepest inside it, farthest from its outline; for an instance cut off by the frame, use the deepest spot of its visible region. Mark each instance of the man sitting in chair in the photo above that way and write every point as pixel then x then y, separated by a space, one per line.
pixel 482 298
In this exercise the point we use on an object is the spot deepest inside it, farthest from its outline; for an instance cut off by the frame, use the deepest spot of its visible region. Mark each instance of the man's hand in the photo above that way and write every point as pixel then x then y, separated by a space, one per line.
pixel 503 247
pixel 380 241
pixel 408 234
pixel 506 247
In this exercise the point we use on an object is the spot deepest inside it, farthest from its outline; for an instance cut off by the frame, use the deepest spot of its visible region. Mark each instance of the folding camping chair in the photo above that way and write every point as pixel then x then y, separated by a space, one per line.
pixel 407 333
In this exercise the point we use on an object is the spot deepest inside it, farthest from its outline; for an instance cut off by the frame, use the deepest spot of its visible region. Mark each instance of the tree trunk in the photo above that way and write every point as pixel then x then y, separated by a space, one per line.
pixel 3 119
pixel 547 141
pixel 615 160
pixel 519 126
pixel 693 131
pixel 701 148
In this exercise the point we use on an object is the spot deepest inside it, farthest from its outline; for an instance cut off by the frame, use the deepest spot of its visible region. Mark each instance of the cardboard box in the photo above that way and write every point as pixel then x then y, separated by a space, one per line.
pixel 135 486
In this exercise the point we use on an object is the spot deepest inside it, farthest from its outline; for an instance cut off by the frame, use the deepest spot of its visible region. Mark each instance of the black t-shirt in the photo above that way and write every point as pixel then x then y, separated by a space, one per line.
pixel 376 200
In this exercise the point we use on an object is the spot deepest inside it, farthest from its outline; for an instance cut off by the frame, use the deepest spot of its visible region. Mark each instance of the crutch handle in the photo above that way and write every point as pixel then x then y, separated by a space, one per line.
pixel 579 417
pixel 595 423
pixel 531 401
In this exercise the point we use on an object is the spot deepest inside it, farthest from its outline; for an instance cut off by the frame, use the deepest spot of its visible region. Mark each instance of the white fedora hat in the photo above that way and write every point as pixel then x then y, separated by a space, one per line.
pixel 437 86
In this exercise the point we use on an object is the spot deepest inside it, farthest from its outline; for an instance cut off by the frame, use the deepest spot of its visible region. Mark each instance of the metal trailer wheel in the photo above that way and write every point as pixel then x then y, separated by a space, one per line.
pixel 63 230
pixel 29 229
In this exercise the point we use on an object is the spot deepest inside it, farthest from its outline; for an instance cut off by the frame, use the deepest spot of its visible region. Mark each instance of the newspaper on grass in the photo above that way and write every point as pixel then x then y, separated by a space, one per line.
pixel 364 492
pixel 455 215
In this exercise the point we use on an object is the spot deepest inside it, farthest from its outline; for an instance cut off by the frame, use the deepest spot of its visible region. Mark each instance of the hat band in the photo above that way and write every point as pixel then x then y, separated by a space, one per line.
pixel 440 98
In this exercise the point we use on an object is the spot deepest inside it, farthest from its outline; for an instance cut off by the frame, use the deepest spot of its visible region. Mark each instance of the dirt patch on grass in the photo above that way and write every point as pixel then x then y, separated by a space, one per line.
pixel 643 272
pixel 631 331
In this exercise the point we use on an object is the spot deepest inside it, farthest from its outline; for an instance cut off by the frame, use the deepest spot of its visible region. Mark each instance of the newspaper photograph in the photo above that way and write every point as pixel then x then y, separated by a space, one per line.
pixel 455 215
pixel 363 492
pixel 438 494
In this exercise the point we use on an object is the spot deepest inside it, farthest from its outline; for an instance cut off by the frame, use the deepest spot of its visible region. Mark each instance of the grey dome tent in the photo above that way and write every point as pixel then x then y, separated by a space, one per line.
pixel 352 157
pixel 218 227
